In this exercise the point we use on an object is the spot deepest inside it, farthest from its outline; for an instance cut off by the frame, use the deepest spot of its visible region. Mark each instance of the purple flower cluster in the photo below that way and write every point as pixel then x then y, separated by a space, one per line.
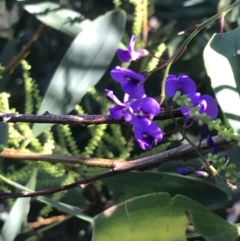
pixel 186 86
pixel 137 109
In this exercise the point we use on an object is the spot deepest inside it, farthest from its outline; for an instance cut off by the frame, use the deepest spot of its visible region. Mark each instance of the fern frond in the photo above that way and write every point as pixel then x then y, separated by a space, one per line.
pixel 97 134
pixel 28 84
pixel 152 64
pixel 79 109
pixel 138 19
pixel 71 142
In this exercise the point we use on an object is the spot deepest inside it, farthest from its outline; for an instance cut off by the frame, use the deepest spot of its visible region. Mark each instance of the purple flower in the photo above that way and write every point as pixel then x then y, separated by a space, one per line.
pixel 147 133
pixel 207 104
pixel 130 53
pixel 181 83
pixel 210 142
pixel 131 82
pixel 120 109
pixel 147 106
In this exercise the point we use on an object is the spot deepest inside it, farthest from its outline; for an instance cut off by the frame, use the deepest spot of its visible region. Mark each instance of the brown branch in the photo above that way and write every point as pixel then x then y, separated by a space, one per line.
pixel 75 119
pixel 25 51
pixel 47 221
pixel 73 160
pixel 119 167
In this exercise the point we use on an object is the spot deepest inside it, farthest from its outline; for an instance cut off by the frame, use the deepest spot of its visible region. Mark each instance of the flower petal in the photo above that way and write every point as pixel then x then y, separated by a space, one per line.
pixel 140 121
pixel 186 85
pixel 136 106
pixel 118 75
pixel 116 112
pixel 171 86
pixel 128 116
pixel 150 106
pixel 144 142
pixel 126 98
pixel 114 98
pixel 131 44
pixel 134 90
pixel 195 99
pixel 148 135
pixel 124 55
pixel 211 106
pixel 123 75
pixel 185 111
pixel 185 170
pixel 210 142
pixel 154 131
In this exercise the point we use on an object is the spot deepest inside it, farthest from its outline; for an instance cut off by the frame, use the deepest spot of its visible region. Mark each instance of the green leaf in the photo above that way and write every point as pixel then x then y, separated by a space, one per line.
pixel 157 216
pixel 71 210
pixel 222 61
pixel 83 65
pixel 133 184
pixel 54 15
pixel 3 135
pixel 18 214
pixel 149 217
pixel 207 224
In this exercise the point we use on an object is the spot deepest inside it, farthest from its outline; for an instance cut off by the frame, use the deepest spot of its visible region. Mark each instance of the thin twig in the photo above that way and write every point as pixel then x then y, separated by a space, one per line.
pixel 75 119
pixel 122 167
pixel 25 51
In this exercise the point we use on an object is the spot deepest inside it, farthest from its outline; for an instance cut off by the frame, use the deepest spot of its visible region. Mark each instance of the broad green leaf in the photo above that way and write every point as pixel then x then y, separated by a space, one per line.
pixel 54 15
pixel 157 216
pixel 18 214
pixel 3 135
pixel 133 184
pixel 149 217
pixel 83 65
pixel 222 61
pixel 58 205
pixel 207 224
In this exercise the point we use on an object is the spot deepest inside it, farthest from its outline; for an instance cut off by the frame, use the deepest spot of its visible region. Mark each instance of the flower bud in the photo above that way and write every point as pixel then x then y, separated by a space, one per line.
pixel 185 170
pixel 201 174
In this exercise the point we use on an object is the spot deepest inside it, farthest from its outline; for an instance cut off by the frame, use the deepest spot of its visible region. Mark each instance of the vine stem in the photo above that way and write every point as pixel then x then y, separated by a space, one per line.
pixel 118 167
pixel 183 47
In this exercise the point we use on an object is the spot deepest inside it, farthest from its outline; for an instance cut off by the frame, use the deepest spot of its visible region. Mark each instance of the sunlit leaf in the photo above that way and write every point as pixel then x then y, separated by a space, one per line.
pixel 207 224
pixel 222 61
pixel 157 216
pixel 56 16
pixel 149 217
pixel 83 65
